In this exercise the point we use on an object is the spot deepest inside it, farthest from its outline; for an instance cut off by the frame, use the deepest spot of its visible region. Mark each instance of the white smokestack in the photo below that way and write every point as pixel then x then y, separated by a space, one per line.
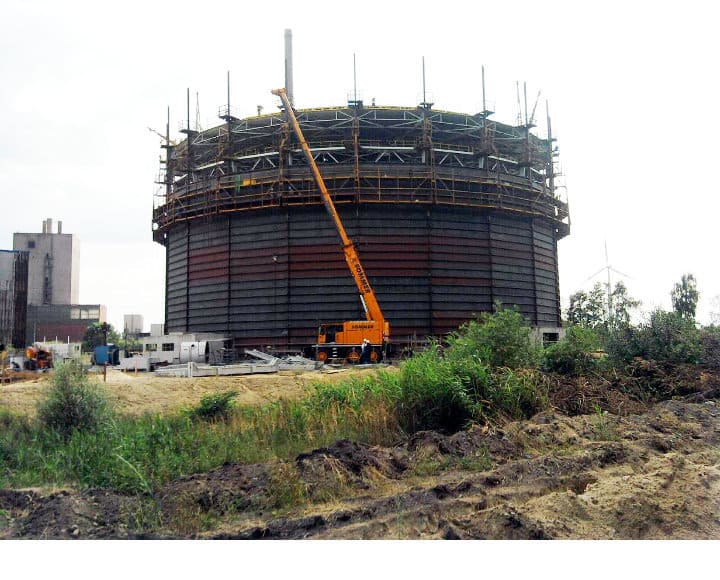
pixel 288 66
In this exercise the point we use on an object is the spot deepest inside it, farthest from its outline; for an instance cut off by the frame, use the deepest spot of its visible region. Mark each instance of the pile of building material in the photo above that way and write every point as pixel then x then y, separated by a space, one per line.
pixel 267 363
pixel 136 362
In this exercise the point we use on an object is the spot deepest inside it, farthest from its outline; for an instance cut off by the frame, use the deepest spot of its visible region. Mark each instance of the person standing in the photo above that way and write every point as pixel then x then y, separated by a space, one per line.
pixel 365 352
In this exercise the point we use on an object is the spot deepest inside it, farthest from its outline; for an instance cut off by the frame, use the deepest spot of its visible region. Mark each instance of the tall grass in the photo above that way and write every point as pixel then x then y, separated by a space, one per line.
pixel 141 454
pixel 433 390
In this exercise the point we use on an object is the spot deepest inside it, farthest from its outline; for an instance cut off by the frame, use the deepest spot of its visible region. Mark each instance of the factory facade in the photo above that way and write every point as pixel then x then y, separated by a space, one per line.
pixel 53 289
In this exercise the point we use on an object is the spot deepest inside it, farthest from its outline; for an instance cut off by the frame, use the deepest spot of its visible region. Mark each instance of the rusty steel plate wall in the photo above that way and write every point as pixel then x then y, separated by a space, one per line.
pixel 271 276
pixel 450 213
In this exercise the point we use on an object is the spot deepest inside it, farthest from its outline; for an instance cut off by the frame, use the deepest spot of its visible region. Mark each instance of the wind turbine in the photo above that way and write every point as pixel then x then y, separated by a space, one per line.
pixel 608 268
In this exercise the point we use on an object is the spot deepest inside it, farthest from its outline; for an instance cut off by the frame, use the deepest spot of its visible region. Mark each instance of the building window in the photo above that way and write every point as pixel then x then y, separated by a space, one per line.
pixel 151 347
pixel 31 244
pixel 168 347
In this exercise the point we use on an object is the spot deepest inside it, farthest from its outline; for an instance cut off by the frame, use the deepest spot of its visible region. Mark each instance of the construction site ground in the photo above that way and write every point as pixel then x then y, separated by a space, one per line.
pixel 647 472
pixel 139 393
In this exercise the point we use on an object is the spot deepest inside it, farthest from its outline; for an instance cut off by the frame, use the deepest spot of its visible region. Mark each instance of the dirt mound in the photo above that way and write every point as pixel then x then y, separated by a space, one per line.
pixel 353 462
pixel 91 514
pixel 582 395
pixel 16 500
pixel 600 475
pixel 230 488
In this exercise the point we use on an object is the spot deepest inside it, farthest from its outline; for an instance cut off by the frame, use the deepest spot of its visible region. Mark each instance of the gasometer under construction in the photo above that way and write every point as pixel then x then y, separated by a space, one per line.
pixel 449 212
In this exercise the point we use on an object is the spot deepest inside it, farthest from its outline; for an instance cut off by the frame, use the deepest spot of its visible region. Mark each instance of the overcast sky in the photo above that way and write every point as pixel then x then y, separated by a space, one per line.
pixel 632 89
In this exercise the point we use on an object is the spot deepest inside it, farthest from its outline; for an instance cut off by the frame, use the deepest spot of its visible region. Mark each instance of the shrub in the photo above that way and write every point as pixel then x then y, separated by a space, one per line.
pixel 573 354
pixel 519 394
pixel 439 393
pixel 213 407
pixel 500 339
pixel 74 403
pixel 620 345
pixel 445 393
pixel 710 342
pixel 668 338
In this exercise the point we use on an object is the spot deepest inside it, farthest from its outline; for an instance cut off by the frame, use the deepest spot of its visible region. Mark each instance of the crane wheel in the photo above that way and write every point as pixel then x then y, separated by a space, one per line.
pixel 322 356
pixel 353 357
pixel 374 356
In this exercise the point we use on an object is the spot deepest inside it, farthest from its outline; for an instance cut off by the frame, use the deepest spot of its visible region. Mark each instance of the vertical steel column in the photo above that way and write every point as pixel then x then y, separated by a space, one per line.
pixel 534 275
pixel 429 242
pixel 187 282
pixel 229 272
pixel 491 262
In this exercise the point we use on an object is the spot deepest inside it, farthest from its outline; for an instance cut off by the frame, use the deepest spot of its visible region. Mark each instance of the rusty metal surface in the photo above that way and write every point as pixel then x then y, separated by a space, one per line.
pixel 274 282
pixel 449 212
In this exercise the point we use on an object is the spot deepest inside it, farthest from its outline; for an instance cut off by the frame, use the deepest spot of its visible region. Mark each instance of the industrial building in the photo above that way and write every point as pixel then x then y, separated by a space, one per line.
pixel 54 267
pixel 53 289
pixel 62 322
pixel 13 297
pixel 449 211
pixel 132 324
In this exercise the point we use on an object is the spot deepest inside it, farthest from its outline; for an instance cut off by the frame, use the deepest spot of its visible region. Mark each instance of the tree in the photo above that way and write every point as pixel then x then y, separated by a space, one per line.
pixel 685 296
pixel 622 304
pixel 588 309
pixel 98 334
pixel 592 310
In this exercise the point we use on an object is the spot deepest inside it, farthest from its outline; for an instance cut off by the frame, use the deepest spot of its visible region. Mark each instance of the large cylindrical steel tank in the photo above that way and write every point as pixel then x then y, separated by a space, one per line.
pixel 449 212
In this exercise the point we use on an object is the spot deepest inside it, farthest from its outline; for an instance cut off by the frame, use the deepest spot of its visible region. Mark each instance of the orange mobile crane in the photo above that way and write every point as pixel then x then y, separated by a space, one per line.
pixel 345 339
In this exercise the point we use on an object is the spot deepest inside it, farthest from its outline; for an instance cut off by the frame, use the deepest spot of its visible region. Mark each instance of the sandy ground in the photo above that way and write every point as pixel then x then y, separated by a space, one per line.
pixel 653 473
pixel 137 394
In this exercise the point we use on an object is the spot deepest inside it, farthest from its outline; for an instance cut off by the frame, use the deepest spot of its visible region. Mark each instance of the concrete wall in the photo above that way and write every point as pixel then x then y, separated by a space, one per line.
pixel 133 323
pixel 63 253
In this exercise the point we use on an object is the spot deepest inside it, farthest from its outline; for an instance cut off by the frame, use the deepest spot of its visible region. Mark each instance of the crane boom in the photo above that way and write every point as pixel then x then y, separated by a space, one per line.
pixel 370 303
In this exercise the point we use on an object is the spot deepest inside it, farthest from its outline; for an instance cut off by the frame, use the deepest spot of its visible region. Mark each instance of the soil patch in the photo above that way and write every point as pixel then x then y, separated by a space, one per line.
pixel 600 475
pixel 137 394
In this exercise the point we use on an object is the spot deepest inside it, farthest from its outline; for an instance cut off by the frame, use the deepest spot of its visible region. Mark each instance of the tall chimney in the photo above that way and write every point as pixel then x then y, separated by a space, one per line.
pixel 288 66
pixel 49 226
pixel 59 226
pixel 44 226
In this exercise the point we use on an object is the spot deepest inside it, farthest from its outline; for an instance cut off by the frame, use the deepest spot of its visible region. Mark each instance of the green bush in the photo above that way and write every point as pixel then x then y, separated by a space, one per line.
pixel 667 338
pixel 620 345
pixel 573 355
pixel 710 342
pixel 74 403
pixel 439 393
pixel 518 394
pixel 213 407
pixel 500 339
pixel 446 391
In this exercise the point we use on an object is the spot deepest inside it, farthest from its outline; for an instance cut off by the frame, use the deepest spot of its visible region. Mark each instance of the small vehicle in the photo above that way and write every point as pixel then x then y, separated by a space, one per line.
pixel 38 358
